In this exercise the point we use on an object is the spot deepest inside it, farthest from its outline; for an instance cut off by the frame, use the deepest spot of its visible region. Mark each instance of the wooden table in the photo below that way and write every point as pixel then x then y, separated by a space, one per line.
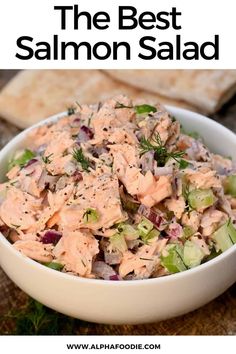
pixel 216 318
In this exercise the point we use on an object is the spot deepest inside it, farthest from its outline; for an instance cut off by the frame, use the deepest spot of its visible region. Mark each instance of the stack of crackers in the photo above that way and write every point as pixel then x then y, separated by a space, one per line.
pixel 33 95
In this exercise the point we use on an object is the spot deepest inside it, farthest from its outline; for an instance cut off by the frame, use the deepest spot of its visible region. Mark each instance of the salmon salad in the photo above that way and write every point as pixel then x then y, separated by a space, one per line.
pixel 118 191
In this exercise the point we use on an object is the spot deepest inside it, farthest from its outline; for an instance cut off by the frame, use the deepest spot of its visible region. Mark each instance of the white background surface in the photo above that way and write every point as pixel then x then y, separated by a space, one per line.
pixel 200 21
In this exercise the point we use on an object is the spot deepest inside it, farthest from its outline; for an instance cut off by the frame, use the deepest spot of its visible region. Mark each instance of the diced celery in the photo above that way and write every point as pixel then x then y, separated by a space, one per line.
pixel 230 185
pixel 225 236
pixel 153 233
pixel 183 164
pixel 187 231
pixel 201 198
pixel 173 261
pixel 193 254
pixel 21 160
pixel 144 227
pixel 145 108
pixel 90 215
pixel 128 231
pixel 232 231
pixel 118 242
pixel 54 265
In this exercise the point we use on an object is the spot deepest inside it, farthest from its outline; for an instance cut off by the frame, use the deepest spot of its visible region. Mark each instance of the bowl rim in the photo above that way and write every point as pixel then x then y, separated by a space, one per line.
pixel 70 277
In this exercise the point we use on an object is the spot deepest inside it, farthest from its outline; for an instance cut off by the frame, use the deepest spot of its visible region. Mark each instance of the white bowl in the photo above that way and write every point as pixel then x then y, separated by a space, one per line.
pixel 123 302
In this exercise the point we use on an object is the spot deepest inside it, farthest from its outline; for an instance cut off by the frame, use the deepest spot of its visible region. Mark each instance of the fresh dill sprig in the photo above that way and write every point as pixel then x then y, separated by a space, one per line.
pixel 121 105
pixel 35 319
pixel 161 154
pixel 46 159
pixel 139 109
pixel 78 155
pixel 146 145
pixel 185 190
pixel 15 226
pixel 78 104
pixel 90 215
pixel 89 119
pixel 185 193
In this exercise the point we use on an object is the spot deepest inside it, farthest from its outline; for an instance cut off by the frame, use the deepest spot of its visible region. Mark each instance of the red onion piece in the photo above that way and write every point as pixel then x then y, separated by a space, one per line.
pixel 163 171
pixel 174 231
pixel 85 134
pixel 76 122
pixel 114 277
pixel 112 257
pixel 30 162
pixel 51 236
pixel 147 162
pixel 103 270
pixel 77 176
pixel 47 180
pixel 4 228
pixel 158 221
pixel 97 151
pixel 174 185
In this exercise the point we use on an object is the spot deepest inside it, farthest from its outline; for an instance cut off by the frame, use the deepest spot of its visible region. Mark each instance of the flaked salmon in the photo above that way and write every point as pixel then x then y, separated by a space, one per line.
pixel 118 191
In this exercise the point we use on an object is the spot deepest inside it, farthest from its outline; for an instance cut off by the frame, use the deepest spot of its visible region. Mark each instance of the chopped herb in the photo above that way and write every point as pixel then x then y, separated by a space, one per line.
pixel 128 205
pixel 183 164
pixel 26 156
pixel 13 183
pixel 15 226
pixel 145 108
pixel 35 319
pixel 185 193
pixel 229 222
pixel 90 215
pixel 83 262
pixel 139 109
pixel 74 136
pixel 78 155
pixel 46 159
pixel 54 265
pixel 146 259
pixel 89 120
pixel 185 189
pixel 161 155
pixel 99 106
pixel 121 105
pixel 78 104
pixel 71 110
